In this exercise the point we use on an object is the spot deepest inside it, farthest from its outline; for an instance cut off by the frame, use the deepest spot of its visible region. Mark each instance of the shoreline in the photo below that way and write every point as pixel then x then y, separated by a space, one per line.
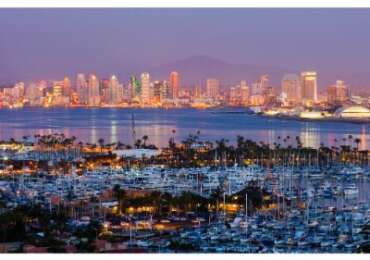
pixel 330 120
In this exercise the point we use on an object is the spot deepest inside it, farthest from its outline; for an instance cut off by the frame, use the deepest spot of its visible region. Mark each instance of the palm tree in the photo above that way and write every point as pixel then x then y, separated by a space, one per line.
pixel 120 195
pixel 138 143
pixel 101 144
pixel 357 142
pixel 145 139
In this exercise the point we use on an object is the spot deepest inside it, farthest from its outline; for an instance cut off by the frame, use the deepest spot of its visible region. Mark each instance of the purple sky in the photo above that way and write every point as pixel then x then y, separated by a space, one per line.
pixel 48 43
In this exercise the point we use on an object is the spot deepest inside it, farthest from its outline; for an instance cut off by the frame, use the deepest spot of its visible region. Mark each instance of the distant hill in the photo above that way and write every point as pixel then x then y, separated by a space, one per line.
pixel 196 69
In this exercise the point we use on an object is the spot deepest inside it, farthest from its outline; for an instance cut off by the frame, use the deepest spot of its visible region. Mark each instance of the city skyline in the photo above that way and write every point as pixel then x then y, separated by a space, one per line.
pixel 46 43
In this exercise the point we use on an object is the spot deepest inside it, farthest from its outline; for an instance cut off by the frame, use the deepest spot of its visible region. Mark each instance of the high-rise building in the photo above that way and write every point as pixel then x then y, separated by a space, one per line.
pixel 93 91
pixel 175 84
pixel 113 90
pixel 18 92
pixel 135 85
pixel 157 89
pixel 145 88
pixel 309 86
pixel 338 93
pixel 33 94
pixel 81 88
pixel 58 88
pixel 165 91
pixel 212 88
pixel 290 86
pixel 104 91
pixel 66 87
pixel 244 93
pixel 264 83
pixel 239 95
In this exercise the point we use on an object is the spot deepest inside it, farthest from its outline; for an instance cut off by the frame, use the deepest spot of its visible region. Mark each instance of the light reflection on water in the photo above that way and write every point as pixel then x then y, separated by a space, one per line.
pixel 115 125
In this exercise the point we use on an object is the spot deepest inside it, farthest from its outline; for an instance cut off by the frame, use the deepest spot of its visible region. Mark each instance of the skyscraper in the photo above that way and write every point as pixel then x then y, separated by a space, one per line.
pixel 309 86
pixel 57 88
pixel 135 85
pixel 81 88
pixel 157 88
pixel 290 86
pixel 66 87
pixel 338 93
pixel 244 93
pixel 113 89
pixel 93 91
pixel 145 88
pixel 175 84
pixel 212 88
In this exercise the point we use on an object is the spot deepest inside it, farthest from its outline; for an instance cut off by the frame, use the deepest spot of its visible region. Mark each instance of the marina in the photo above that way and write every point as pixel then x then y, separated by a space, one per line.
pixel 314 210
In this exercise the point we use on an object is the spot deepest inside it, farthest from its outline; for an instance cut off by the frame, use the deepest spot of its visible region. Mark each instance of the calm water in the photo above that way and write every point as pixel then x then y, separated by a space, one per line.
pixel 116 125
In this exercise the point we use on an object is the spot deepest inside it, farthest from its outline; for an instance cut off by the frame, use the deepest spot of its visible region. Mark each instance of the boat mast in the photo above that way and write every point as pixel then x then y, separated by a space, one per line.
pixel 133 129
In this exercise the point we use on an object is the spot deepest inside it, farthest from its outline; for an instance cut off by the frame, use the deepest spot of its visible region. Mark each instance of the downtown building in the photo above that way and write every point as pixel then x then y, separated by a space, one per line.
pixel 239 95
pixel 81 89
pixel 93 92
pixel 115 91
pixel 338 93
pixel 145 89
pixel 309 87
pixel 212 89
pixel 175 84
pixel 291 89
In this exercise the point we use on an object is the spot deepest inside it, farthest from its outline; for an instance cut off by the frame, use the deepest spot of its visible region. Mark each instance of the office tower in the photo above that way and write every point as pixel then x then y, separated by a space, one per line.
pixel 309 86
pixel 239 95
pixel 290 86
pixel 66 87
pixel 135 86
pixel 264 83
pixel 175 83
pixel 145 88
pixel 165 91
pixel 33 94
pixel 81 88
pixel 338 93
pixel 157 92
pixel 104 91
pixel 198 92
pixel 244 93
pixel 113 90
pixel 17 92
pixel 212 88
pixel 93 91
pixel 58 88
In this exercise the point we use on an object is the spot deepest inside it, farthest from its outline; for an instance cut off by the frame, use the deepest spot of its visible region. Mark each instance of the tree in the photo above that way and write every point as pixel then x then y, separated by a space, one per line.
pixel 101 144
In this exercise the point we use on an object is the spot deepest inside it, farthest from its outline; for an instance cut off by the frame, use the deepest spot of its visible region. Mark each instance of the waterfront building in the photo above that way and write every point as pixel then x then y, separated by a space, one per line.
pixel 157 88
pixel 114 90
pixel 81 88
pixel 338 93
pixel 239 95
pixel 67 88
pixel 57 88
pixel 290 85
pixel 175 84
pixel 33 94
pixel 244 93
pixel 145 88
pixel 93 91
pixel 212 88
pixel 104 91
pixel 56 98
pixel 309 86
pixel 354 112
pixel 18 92
pixel 135 86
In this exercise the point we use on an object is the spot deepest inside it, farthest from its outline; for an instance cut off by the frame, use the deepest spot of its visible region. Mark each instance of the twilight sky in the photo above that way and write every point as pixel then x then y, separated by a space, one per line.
pixel 49 43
